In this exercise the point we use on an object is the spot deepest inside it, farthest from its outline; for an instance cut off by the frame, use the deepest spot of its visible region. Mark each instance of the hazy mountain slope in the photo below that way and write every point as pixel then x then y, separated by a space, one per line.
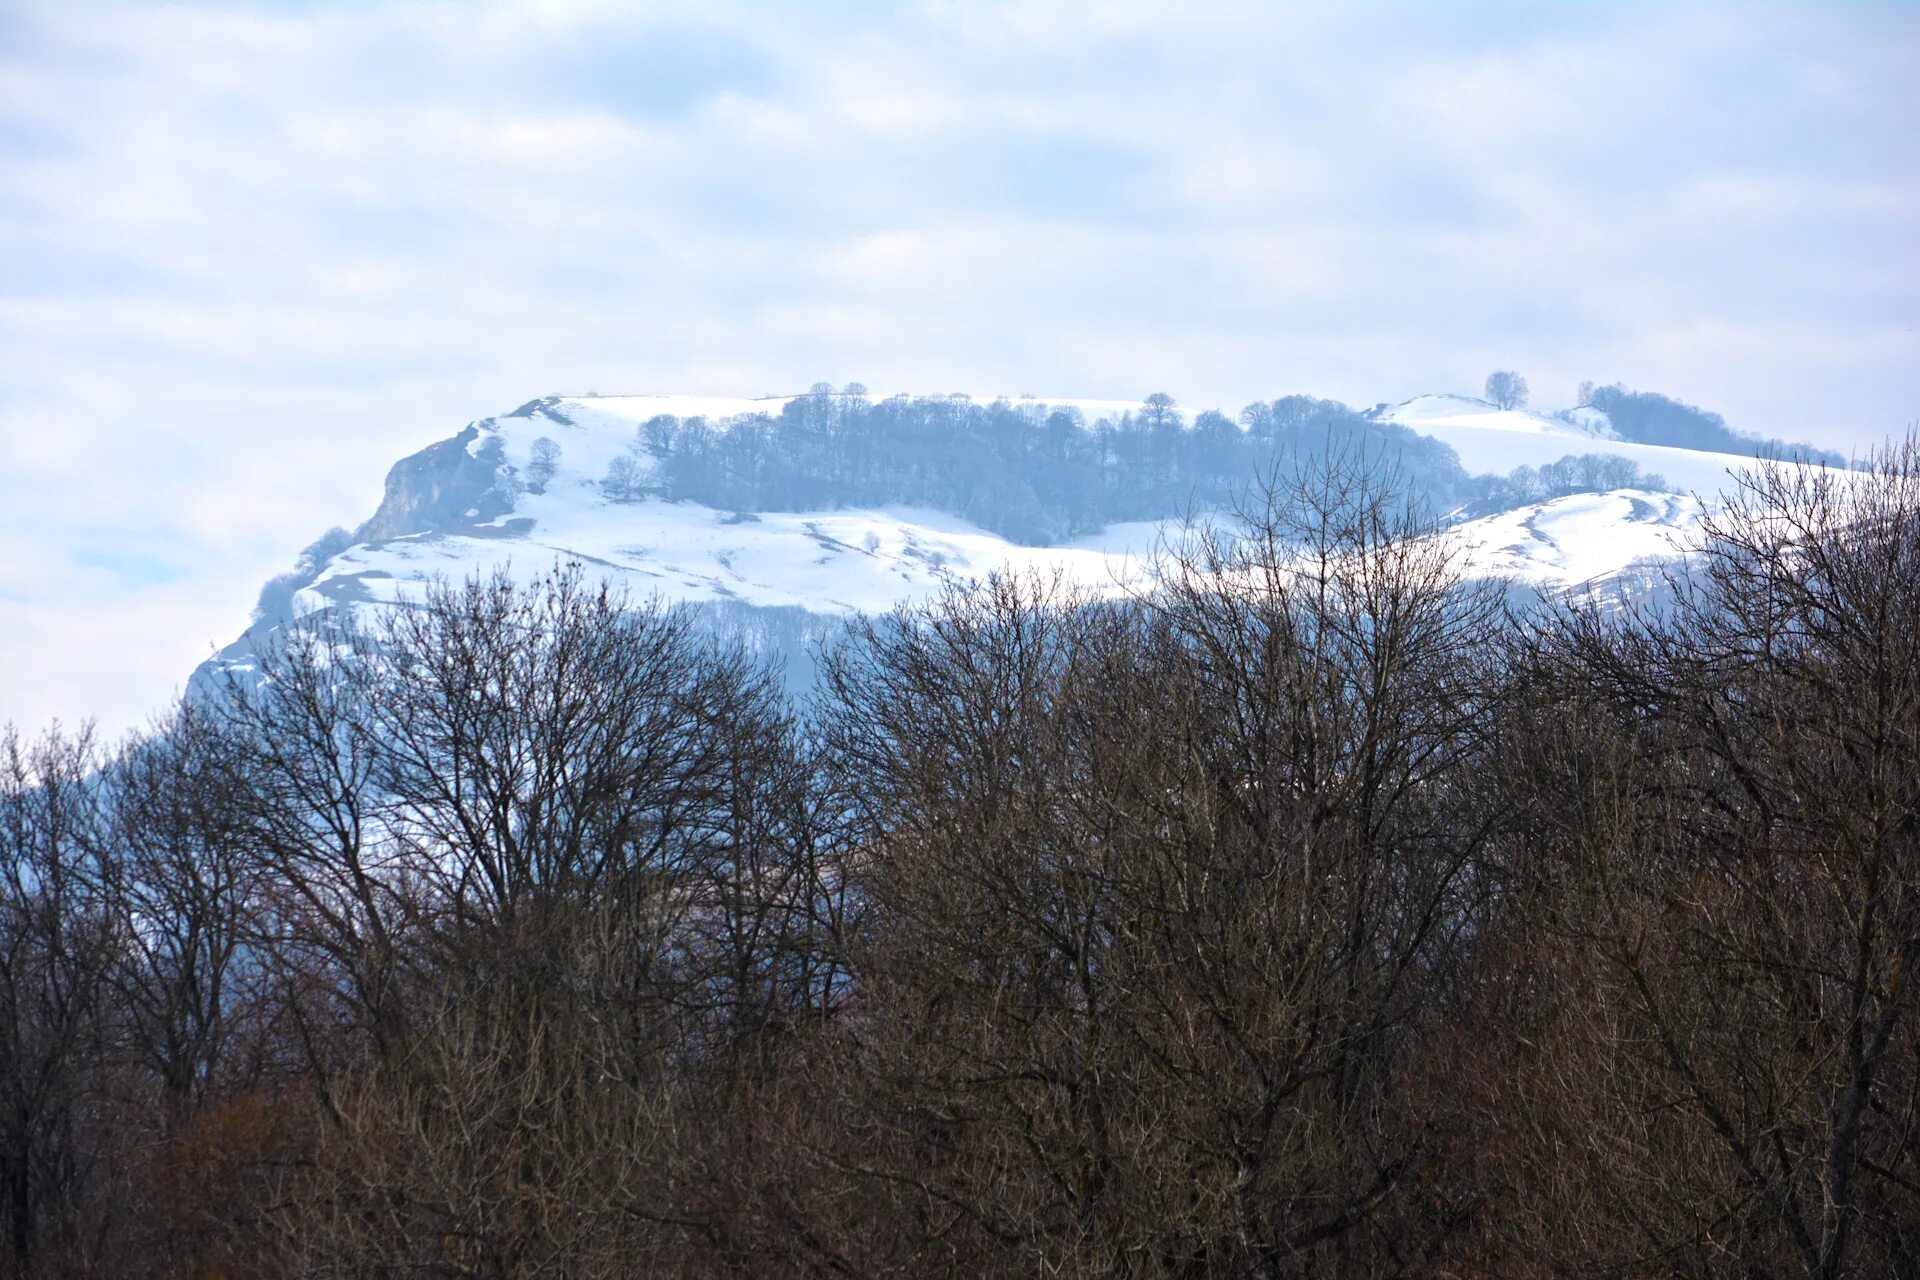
pixel 537 487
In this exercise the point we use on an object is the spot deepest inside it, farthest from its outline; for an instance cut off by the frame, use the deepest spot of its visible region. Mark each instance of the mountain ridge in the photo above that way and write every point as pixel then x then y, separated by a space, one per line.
pixel 626 485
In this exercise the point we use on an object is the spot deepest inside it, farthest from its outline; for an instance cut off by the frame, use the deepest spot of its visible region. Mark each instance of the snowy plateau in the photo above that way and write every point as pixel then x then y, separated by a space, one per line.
pixel 784 579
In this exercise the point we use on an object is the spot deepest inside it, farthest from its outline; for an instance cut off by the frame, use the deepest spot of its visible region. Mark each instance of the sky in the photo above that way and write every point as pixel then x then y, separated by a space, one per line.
pixel 251 254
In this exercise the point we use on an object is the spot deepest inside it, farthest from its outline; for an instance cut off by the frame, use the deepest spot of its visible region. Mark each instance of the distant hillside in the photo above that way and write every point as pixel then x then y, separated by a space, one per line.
pixel 1651 418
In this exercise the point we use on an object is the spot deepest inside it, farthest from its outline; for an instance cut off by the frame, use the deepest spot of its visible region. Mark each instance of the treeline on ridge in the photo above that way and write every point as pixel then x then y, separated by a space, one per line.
pixel 1651 418
pixel 1040 474
pixel 1311 914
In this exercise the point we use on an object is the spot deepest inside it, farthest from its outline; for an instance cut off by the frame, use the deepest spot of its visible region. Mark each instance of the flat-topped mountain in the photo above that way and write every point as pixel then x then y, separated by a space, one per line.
pixel 782 514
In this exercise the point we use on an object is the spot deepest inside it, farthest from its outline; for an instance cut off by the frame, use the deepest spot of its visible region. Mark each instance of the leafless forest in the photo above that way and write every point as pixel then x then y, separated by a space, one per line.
pixel 1317 913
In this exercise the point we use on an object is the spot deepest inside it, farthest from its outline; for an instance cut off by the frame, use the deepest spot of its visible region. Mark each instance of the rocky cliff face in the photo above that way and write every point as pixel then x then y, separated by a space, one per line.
pixel 445 486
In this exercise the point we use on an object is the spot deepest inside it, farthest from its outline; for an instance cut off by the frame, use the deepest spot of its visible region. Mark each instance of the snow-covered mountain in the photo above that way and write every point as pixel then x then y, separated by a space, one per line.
pixel 578 479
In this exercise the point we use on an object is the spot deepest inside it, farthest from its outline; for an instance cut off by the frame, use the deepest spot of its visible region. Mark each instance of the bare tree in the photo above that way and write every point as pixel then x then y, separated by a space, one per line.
pixel 567 881
pixel 1506 389
pixel 181 886
pixel 1726 800
pixel 1161 893
pixel 543 464
pixel 624 481
pixel 57 944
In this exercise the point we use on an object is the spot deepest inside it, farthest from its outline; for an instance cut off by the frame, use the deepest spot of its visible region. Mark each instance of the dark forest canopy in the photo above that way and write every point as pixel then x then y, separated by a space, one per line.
pixel 1317 913
pixel 1041 474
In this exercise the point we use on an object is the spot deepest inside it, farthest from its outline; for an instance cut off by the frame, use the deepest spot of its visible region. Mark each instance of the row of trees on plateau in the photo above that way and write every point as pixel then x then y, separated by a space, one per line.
pixel 1041 474
pixel 1313 913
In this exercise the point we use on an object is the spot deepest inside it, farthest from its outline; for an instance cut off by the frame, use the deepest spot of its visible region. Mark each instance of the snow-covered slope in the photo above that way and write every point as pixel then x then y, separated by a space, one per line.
pixel 839 561
pixel 1581 537
pixel 1495 440
pixel 1436 414
pixel 481 500
pixel 827 561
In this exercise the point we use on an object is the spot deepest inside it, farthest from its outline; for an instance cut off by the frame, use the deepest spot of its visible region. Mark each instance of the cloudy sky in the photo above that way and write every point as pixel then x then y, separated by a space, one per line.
pixel 251 254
